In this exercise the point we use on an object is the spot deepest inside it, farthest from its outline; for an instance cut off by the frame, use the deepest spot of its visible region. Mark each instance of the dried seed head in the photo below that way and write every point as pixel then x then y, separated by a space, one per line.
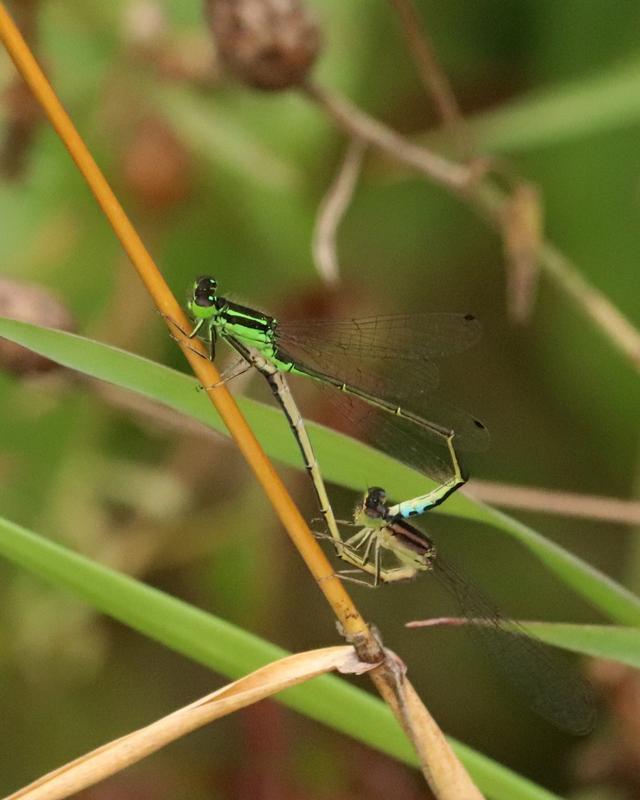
pixel 156 166
pixel 23 116
pixel 269 44
pixel 29 302
pixel 144 24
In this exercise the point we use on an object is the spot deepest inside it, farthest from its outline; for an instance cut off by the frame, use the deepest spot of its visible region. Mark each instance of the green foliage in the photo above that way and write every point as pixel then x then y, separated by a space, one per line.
pixel 234 652
pixel 342 458
pixel 554 86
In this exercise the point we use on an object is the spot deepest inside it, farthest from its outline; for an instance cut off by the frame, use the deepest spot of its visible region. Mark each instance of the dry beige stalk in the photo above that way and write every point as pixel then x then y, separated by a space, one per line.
pixel 445 774
pixel 115 756
pixel 522 233
pixel 332 210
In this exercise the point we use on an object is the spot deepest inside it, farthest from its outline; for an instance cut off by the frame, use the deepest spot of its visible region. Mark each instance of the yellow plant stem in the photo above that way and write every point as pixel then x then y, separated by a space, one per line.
pixel 295 525
pixel 445 774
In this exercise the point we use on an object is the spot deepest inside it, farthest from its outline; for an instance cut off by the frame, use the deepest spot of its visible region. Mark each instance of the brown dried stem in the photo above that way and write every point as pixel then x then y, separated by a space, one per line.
pixel 332 209
pixel 489 202
pixel 564 504
pixel 356 123
pixel 367 646
pixel 113 757
pixel 433 77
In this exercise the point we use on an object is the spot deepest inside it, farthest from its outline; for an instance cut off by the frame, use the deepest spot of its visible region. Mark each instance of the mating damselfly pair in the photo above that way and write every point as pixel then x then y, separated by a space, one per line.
pixel 388 364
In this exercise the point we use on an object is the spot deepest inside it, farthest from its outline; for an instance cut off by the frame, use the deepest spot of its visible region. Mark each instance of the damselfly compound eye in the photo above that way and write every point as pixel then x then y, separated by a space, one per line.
pixel 205 285
pixel 376 496
pixel 204 300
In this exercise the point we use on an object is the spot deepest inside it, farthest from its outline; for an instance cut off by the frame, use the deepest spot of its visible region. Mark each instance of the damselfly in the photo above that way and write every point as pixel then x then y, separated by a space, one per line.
pixel 388 362
pixel 539 674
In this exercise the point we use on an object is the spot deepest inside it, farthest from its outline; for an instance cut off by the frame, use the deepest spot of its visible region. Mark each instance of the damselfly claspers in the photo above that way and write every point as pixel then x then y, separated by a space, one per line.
pixel 387 362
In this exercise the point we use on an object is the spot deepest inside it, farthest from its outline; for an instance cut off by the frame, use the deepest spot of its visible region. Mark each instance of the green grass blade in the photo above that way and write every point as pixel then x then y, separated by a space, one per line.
pixel 614 642
pixel 618 603
pixel 605 101
pixel 234 652
pixel 498 784
pixel 342 459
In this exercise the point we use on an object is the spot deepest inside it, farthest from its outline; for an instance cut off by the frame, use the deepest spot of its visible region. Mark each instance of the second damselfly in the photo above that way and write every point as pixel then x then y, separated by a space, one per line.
pixel 540 675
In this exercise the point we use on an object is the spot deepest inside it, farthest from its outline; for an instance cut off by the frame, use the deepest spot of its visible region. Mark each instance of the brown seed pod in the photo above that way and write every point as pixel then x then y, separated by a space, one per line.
pixel 23 116
pixel 269 44
pixel 156 166
pixel 29 302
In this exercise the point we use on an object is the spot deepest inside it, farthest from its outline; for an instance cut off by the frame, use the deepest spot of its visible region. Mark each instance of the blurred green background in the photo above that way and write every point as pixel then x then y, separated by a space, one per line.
pixel 225 180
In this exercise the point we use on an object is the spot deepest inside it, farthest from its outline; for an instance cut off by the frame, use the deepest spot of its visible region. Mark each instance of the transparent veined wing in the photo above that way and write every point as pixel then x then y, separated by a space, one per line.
pixel 390 358
pixel 534 669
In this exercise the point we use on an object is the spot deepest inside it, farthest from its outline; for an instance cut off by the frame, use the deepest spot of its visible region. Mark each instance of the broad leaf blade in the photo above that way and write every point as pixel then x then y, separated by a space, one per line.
pixel 342 459
pixel 232 651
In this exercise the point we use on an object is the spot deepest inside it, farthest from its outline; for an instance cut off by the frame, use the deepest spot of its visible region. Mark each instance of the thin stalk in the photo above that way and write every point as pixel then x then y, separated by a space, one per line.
pixel 444 773
pixel 295 525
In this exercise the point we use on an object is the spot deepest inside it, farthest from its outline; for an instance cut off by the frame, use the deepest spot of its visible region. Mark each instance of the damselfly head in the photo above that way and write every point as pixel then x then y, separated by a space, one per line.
pixel 375 503
pixel 203 297
pixel 204 288
pixel 371 511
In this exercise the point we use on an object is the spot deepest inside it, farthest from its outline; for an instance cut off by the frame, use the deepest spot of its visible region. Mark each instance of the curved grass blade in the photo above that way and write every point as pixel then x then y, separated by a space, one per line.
pixel 233 652
pixel 615 642
pixel 344 460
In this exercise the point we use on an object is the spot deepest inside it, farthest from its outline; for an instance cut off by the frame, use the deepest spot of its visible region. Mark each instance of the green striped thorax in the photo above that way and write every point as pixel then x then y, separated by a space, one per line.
pixel 233 322
pixel 230 319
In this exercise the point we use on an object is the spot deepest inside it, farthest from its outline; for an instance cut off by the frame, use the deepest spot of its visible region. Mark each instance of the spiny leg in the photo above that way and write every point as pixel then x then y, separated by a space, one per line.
pixel 379 574
pixel 397 574
pixel 348 522
pixel 367 568
pixel 393 575
pixel 234 370
pixel 344 576
pixel 189 335
pixel 388 575
pixel 355 542
pixel 372 542
pixel 377 559
pixel 348 551
pixel 209 340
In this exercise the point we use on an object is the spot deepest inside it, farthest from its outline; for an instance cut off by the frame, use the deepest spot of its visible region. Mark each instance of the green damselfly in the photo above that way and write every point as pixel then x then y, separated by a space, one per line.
pixel 387 362
pixel 540 675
